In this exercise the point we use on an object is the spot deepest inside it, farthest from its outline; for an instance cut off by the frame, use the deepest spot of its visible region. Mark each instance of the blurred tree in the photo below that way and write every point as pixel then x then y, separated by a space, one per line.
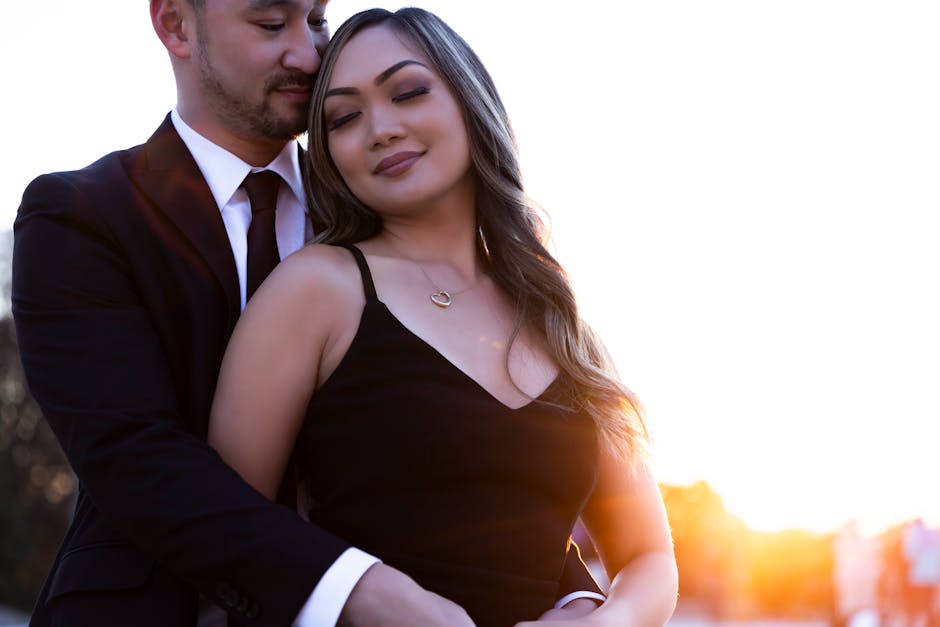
pixel 711 557
pixel 731 571
pixel 791 572
pixel 6 249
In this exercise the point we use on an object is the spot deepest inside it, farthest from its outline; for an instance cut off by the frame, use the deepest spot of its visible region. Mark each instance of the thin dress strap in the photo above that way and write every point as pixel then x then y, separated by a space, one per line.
pixel 367 283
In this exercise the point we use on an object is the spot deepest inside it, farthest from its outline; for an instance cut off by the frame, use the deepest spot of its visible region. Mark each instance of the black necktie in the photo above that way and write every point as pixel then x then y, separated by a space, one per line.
pixel 262 241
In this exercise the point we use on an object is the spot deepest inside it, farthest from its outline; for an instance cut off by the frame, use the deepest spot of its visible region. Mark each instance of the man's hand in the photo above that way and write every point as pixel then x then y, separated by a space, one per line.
pixel 386 597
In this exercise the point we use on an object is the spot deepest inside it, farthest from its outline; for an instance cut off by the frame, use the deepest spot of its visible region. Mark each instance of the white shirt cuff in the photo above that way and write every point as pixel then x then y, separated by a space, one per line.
pixel 580 594
pixel 328 598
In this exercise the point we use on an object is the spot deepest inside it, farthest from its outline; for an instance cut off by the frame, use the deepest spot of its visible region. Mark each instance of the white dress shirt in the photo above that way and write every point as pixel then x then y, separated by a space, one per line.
pixel 224 173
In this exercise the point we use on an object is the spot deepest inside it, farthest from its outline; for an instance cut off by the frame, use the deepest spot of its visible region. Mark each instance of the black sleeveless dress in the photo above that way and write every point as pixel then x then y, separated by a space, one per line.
pixel 406 457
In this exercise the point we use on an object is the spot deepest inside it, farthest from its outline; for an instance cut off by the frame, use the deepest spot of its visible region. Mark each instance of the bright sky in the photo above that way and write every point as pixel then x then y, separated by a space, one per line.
pixel 746 193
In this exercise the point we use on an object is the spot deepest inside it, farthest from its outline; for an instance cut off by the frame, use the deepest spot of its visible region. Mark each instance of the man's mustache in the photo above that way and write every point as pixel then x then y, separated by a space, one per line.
pixel 290 81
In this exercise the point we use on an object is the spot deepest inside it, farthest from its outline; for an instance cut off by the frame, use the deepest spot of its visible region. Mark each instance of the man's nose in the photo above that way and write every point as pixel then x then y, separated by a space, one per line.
pixel 305 52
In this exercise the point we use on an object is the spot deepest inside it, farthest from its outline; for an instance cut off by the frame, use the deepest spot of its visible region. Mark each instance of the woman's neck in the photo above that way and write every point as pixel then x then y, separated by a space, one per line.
pixel 450 245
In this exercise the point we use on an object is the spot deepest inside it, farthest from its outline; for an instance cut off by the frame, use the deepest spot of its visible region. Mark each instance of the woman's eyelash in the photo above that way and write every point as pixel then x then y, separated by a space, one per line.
pixel 408 95
pixel 338 122
pixel 420 91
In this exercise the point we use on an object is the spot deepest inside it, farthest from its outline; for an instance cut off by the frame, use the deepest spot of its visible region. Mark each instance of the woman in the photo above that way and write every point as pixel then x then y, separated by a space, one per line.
pixel 451 412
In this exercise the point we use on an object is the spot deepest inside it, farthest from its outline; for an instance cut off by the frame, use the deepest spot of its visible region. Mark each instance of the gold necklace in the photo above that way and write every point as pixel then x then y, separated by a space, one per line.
pixel 440 297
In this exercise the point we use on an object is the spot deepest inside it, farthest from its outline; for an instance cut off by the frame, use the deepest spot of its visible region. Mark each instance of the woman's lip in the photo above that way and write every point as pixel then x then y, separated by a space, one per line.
pixel 397 163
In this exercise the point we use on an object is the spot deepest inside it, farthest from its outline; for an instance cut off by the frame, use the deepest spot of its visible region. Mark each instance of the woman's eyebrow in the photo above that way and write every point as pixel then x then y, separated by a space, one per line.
pixel 384 76
pixel 381 78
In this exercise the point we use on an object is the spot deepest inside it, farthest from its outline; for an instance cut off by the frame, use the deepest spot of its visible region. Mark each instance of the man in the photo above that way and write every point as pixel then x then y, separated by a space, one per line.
pixel 129 276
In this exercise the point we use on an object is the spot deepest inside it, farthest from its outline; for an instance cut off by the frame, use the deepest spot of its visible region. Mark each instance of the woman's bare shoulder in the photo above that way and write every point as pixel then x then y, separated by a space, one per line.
pixel 317 281
pixel 320 268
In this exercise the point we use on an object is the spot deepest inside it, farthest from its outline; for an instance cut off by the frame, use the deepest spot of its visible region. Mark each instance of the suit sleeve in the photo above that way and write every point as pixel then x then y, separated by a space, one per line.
pixel 94 363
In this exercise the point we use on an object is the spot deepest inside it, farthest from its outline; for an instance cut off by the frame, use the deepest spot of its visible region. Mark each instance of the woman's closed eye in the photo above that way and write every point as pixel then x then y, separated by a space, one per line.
pixel 339 121
pixel 413 93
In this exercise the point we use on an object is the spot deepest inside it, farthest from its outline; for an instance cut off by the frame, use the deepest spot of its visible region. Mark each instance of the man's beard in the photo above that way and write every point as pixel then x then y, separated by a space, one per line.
pixel 255 118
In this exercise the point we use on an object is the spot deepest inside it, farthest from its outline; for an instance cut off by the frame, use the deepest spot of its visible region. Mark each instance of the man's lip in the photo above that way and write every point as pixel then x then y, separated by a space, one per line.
pixel 397 163
pixel 296 95
pixel 295 90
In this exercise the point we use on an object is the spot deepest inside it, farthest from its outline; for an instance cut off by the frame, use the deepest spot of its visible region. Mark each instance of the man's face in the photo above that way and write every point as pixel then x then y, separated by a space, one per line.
pixel 257 60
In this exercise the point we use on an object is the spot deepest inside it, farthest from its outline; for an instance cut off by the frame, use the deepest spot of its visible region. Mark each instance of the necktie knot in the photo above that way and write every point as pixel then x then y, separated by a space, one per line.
pixel 262 190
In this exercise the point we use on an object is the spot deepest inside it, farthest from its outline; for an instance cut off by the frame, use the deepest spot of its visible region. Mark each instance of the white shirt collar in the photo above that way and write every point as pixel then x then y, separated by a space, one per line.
pixel 224 172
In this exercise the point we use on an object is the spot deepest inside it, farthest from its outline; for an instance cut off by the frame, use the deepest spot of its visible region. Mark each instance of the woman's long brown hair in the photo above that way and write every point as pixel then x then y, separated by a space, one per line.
pixel 512 236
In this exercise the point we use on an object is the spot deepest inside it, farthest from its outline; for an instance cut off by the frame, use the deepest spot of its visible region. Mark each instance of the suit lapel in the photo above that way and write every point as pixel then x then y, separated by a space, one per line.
pixel 169 176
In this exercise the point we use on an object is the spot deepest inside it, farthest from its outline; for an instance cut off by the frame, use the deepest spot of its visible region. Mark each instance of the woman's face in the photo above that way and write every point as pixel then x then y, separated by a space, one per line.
pixel 394 130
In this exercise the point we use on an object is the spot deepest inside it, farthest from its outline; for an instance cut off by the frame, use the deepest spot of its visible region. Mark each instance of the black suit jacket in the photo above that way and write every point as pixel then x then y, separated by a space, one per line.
pixel 125 294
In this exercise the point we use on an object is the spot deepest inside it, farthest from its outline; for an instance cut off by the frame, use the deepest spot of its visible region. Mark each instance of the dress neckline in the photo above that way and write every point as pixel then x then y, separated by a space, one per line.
pixel 463 373
pixel 368 285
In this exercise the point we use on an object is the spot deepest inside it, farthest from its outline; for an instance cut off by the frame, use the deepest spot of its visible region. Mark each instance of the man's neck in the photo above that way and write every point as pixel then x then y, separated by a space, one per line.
pixel 254 150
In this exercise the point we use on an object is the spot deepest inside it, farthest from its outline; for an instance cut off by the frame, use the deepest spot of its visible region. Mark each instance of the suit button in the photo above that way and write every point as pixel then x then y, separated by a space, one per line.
pixel 227 594
pixel 242 607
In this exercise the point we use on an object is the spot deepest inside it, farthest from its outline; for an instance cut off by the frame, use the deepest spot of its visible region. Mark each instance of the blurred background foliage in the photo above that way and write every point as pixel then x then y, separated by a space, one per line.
pixel 732 572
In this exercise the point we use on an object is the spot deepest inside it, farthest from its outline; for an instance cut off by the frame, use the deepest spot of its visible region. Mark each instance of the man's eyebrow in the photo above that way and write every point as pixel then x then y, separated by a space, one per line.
pixel 260 5
pixel 381 78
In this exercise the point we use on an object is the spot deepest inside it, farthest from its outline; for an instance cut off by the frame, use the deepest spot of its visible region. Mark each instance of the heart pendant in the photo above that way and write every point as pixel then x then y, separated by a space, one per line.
pixel 441 299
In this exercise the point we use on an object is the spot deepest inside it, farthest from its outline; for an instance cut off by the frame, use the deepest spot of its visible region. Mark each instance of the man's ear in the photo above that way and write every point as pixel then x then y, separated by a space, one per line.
pixel 174 22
